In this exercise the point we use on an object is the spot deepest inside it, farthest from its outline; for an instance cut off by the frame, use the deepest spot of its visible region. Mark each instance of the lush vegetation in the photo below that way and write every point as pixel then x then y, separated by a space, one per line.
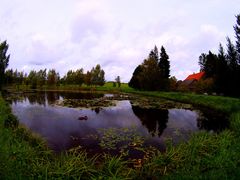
pixel 206 155
pixel 4 60
pixel 43 79
pixel 153 73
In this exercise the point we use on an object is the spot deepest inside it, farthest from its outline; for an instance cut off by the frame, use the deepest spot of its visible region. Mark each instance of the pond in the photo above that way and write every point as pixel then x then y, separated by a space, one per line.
pixel 121 127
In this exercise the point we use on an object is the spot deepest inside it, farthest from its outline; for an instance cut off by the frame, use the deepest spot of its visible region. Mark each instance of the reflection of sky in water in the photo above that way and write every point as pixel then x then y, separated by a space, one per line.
pixel 58 124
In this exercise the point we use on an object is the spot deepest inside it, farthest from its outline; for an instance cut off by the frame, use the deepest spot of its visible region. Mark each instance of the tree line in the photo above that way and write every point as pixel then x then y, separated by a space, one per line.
pixel 38 79
pixel 222 70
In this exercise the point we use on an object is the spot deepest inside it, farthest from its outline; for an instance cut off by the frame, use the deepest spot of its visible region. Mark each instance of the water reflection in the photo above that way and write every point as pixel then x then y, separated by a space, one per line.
pixel 44 98
pixel 61 126
pixel 155 120
pixel 212 121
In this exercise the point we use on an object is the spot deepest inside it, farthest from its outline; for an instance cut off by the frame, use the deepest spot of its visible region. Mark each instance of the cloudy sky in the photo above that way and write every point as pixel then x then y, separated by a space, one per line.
pixel 117 34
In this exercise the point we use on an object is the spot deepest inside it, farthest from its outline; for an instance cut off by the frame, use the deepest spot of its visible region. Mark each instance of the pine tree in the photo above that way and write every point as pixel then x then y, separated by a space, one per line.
pixel 164 67
pixel 237 33
pixel 164 64
pixel 4 60
pixel 221 71
pixel 154 54
pixel 231 55
pixel 233 80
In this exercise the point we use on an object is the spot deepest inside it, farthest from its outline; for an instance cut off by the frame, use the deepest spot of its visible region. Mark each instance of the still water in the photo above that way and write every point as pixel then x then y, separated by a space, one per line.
pixel 62 129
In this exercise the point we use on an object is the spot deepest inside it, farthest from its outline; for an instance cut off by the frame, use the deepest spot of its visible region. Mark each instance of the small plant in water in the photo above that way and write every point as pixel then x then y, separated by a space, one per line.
pixel 128 143
pixel 118 138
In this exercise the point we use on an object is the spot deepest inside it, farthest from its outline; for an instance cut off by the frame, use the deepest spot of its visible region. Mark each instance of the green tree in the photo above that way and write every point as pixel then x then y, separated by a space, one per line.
pixel 32 79
pixel 9 76
pixel 4 60
pixel 164 66
pixel 118 81
pixel 202 61
pixel 164 63
pixel 87 78
pixel 153 73
pixel 231 55
pixel 221 79
pixel 97 76
pixel 41 77
pixel 79 77
pixel 233 79
pixel 237 33
pixel 154 54
pixel 135 81
pixel 52 77
pixel 150 75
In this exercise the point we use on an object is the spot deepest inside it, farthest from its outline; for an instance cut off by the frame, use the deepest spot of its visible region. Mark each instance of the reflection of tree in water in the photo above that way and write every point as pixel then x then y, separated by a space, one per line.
pixel 155 120
pixel 73 95
pixel 212 120
pixel 38 98
pixel 52 97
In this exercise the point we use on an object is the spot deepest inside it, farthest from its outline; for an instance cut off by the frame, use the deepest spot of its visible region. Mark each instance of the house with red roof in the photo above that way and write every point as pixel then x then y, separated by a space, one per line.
pixel 191 80
pixel 195 76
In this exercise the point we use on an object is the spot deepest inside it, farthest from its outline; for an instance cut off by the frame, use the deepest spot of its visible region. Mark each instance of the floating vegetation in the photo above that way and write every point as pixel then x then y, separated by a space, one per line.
pixel 158 103
pixel 85 103
pixel 95 103
pixel 128 143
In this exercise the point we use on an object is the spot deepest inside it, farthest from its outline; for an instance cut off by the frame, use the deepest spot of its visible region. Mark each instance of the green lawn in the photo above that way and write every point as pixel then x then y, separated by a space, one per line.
pixel 205 156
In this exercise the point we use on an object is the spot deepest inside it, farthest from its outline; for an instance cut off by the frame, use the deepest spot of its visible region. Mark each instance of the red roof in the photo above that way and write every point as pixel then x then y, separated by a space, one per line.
pixel 196 76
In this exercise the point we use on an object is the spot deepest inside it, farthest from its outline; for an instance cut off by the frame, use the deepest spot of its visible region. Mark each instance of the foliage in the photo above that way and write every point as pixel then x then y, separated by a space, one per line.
pixel 223 69
pixel 237 33
pixel 153 73
pixel 4 59
pixel 97 76
pixel 53 77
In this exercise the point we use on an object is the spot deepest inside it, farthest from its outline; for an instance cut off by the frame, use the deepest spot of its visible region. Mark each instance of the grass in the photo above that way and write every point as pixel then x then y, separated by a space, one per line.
pixel 205 156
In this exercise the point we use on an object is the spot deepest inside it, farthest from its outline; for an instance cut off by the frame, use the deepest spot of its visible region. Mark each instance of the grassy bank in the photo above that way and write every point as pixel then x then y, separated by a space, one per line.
pixel 205 156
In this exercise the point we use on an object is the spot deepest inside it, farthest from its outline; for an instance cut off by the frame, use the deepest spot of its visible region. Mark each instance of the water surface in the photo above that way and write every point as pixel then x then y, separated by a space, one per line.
pixel 63 130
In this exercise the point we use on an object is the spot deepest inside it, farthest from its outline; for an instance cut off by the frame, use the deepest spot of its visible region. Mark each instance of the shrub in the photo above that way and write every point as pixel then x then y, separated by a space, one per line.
pixel 11 121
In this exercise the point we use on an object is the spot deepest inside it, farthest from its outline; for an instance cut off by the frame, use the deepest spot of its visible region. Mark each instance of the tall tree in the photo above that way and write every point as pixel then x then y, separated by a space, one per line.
pixel 221 78
pixel 233 80
pixel 53 77
pixel 41 77
pixel 164 66
pixel 4 60
pixel 202 61
pixel 150 74
pixel 153 73
pixel 154 54
pixel 135 81
pixel 98 76
pixel 87 78
pixel 79 77
pixel 231 55
pixel 32 79
pixel 237 33
pixel 164 63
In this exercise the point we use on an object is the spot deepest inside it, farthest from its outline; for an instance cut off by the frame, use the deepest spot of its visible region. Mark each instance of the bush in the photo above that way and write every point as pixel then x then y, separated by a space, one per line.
pixel 11 121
